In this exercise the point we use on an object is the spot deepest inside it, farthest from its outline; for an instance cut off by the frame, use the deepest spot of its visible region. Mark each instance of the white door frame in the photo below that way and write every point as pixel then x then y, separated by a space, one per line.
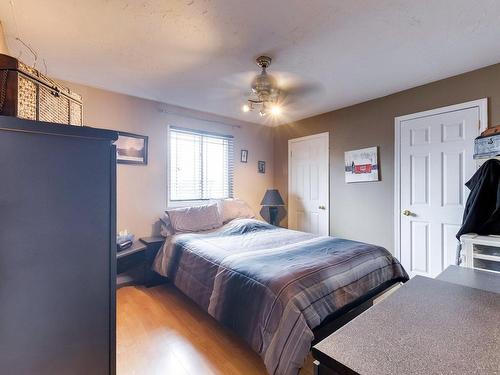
pixel 480 104
pixel 319 135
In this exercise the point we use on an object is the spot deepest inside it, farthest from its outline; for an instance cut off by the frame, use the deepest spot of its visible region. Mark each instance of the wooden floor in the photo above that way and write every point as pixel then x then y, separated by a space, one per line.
pixel 160 331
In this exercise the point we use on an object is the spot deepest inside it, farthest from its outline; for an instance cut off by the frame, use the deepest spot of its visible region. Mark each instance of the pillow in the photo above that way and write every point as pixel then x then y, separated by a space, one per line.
pixel 195 218
pixel 166 227
pixel 235 209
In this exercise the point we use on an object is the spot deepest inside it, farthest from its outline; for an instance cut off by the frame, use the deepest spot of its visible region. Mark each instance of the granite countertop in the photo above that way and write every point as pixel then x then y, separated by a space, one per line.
pixel 428 326
pixel 478 279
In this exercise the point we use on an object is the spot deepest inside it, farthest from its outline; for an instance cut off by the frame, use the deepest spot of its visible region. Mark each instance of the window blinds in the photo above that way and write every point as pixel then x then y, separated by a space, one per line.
pixel 201 165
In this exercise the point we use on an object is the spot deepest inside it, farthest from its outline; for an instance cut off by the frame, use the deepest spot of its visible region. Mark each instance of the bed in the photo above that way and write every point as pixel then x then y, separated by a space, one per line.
pixel 273 286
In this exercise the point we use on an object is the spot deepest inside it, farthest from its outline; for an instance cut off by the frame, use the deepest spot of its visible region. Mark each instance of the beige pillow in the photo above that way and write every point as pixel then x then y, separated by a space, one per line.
pixel 194 218
pixel 235 209
pixel 165 226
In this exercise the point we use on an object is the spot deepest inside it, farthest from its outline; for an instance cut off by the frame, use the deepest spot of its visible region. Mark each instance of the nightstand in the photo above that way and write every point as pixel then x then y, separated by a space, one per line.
pixel 153 245
pixel 134 264
pixel 130 265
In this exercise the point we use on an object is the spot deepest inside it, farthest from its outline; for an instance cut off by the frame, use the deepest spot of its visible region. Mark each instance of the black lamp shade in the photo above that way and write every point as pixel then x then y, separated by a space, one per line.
pixel 272 198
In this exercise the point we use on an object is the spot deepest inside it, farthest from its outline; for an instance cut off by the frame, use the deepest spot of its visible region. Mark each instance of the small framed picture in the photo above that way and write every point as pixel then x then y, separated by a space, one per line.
pixel 261 166
pixel 244 156
pixel 131 149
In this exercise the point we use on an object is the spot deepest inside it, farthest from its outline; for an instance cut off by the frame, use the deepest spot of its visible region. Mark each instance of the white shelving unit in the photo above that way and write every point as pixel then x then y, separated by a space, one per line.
pixel 481 252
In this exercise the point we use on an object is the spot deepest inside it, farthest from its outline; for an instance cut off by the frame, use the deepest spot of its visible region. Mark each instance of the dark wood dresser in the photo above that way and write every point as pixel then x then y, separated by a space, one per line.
pixel 57 248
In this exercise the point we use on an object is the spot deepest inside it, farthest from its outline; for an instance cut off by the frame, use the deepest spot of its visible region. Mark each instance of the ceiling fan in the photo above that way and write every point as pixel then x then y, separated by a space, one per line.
pixel 271 95
pixel 265 91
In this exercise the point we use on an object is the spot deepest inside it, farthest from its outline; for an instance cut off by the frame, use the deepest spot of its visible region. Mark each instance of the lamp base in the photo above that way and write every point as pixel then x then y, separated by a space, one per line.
pixel 273 215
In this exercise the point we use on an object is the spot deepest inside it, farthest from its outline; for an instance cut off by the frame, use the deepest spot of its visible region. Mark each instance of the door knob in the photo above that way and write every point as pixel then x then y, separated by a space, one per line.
pixel 322 207
pixel 406 212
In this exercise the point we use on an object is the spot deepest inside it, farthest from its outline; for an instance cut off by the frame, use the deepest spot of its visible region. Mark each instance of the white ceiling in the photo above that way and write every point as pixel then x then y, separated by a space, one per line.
pixel 190 53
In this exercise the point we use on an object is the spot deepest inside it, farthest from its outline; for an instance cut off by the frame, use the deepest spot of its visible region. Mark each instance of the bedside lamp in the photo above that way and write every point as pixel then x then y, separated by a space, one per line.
pixel 271 202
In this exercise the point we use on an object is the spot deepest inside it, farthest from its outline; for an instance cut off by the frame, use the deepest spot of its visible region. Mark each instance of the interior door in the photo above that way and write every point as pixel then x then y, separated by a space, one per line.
pixel 436 161
pixel 308 187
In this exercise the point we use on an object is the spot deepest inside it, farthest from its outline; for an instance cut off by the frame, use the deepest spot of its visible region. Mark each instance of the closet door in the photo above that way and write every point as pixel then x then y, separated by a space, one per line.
pixel 308 184
pixel 436 162
pixel 57 222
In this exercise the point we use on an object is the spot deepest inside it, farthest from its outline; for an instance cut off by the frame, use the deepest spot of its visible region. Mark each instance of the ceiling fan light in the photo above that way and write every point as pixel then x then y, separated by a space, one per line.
pixel 264 84
pixel 265 91
pixel 276 110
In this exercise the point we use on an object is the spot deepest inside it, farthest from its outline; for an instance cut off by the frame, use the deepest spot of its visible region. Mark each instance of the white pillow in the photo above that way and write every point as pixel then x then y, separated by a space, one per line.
pixel 235 209
pixel 195 218
pixel 166 227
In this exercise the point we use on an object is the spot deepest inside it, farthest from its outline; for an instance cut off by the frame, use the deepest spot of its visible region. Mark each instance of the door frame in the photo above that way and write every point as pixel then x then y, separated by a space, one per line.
pixel 324 135
pixel 480 104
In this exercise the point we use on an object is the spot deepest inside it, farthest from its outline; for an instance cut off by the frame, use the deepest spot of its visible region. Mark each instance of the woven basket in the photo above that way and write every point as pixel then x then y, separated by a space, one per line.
pixel 28 94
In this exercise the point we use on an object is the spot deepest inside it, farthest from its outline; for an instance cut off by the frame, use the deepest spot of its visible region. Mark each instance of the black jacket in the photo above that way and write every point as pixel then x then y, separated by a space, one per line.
pixel 482 210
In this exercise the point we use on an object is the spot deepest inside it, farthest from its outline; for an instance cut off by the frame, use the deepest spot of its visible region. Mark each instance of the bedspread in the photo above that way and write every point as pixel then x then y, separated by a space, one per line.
pixel 273 286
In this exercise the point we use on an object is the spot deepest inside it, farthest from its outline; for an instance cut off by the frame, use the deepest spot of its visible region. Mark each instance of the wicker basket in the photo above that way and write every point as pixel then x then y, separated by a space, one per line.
pixel 28 94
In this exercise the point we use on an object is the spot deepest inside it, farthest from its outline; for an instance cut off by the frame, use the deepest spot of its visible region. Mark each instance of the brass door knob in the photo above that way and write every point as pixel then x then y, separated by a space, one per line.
pixel 406 212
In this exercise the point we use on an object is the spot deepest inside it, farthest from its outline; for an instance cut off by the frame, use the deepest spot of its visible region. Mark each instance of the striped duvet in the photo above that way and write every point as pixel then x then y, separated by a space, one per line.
pixel 273 286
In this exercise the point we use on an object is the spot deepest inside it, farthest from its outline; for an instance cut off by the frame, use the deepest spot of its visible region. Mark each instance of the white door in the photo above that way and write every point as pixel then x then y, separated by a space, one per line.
pixel 436 160
pixel 308 184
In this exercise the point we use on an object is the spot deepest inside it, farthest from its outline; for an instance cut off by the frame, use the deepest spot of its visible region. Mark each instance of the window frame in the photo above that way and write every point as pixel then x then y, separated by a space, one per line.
pixel 193 202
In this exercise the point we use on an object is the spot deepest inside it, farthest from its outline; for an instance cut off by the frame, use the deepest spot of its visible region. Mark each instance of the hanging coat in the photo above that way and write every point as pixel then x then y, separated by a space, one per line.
pixel 482 210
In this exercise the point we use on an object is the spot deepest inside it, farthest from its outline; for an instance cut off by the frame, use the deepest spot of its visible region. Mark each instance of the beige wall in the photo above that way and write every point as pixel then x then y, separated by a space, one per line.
pixel 364 211
pixel 142 190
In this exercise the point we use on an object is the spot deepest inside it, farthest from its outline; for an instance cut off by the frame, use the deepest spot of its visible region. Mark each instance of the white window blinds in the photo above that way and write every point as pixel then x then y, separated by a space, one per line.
pixel 201 165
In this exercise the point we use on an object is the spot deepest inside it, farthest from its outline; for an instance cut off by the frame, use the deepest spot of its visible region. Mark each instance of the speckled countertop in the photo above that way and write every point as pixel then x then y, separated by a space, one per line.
pixel 428 326
pixel 470 277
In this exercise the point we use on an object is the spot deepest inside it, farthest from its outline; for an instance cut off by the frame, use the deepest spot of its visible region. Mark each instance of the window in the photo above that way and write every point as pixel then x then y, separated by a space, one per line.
pixel 201 165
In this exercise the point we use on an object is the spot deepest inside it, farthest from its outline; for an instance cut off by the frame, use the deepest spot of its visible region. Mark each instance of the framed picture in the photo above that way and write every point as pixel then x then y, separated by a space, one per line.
pixel 244 156
pixel 362 165
pixel 261 166
pixel 131 148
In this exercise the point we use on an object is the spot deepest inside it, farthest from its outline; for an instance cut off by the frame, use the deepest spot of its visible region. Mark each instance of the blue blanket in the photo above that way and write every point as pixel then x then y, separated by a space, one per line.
pixel 273 286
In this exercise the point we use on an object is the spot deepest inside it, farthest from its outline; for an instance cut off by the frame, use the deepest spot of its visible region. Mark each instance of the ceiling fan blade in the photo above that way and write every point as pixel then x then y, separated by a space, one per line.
pixel 235 86
pixel 228 93
pixel 241 80
pixel 305 88
pixel 294 86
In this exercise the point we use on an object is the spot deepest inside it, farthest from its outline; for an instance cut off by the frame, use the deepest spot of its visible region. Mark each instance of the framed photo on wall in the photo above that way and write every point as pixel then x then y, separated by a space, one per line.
pixel 244 156
pixel 261 166
pixel 361 165
pixel 131 149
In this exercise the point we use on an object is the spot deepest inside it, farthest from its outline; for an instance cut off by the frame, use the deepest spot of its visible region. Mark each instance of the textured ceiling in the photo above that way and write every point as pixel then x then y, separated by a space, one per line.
pixel 192 53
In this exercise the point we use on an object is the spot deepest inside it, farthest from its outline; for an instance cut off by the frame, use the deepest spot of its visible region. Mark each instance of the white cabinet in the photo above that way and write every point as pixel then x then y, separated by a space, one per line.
pixel 481 252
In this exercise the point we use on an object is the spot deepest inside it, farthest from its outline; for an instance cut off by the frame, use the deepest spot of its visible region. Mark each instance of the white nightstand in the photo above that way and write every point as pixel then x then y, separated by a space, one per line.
pixel 481 252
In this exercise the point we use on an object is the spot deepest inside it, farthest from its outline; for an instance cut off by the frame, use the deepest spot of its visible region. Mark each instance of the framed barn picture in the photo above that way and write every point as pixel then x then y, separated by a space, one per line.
pixel 131 148
pixel 362 165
